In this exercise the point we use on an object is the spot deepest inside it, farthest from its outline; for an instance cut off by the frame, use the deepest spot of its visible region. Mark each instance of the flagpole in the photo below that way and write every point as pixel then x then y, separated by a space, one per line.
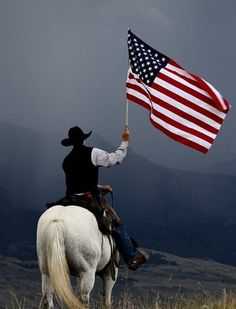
pixel 127 114
pixel 127 102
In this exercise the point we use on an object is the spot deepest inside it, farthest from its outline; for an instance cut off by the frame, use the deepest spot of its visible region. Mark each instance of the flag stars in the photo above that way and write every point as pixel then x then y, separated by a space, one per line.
pixel 145 61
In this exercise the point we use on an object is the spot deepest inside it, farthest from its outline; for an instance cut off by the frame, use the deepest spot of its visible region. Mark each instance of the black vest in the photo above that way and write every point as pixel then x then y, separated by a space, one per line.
pixel 81 174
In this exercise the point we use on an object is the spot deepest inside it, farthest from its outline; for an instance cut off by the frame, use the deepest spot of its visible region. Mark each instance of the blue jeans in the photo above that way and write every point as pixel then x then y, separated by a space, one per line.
pixel 123 243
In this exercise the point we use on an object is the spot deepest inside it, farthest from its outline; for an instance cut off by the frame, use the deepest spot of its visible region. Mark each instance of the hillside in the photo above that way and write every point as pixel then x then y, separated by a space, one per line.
pixel 181 212
pixel 165 275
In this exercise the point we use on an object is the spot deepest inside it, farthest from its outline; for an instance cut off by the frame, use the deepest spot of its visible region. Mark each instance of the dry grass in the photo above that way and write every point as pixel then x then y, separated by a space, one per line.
pixel 179 301
pixel 154 301
pixel 15 302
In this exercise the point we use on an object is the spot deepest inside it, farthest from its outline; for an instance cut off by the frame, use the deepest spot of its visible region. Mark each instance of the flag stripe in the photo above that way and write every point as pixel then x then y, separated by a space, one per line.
pixel 179 132
pixel 187 87
pixel 172 66
pixel 198 108
pixel 190 98
pixel 217 98
pixel 182 82
pixel 182 124
pixel 193 116
pixel 215 92
pixel 137 89
pixel 138 100
pixel 181 104
pixel 180 139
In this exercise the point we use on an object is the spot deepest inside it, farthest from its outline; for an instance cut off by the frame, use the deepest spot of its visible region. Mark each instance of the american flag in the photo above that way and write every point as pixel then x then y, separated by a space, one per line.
pixel 182 105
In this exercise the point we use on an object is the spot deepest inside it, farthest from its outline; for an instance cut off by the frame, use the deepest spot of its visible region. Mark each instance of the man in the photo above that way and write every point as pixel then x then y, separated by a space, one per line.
pixel 81 167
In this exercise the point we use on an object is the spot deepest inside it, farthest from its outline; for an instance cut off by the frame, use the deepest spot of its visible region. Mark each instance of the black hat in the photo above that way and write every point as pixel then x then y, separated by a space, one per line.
pixel 75 137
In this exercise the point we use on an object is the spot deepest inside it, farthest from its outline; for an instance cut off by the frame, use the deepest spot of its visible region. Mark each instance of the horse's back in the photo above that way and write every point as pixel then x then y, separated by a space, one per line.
pixel 72 217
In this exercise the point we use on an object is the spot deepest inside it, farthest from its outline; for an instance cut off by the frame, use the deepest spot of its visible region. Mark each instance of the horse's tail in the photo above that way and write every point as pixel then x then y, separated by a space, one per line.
pixel 58 267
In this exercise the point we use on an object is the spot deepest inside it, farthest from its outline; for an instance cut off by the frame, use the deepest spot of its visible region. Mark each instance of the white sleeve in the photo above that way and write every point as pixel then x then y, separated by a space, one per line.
pixel 100 157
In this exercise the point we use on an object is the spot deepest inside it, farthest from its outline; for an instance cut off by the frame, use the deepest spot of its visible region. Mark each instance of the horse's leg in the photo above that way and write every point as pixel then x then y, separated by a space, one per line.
pixel 47 291
pixel 108 284
pixel 85 285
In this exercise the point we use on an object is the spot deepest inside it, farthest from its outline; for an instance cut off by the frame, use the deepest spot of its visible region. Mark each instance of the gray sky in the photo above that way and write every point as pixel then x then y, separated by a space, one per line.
pixel 64 62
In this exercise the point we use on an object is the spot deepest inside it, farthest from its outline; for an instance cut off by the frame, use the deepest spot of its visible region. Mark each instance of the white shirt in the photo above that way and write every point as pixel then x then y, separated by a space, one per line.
pixel 100 157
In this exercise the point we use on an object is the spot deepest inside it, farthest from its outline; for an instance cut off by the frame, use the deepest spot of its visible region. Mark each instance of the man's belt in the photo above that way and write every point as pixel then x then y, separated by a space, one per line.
pixel 86 195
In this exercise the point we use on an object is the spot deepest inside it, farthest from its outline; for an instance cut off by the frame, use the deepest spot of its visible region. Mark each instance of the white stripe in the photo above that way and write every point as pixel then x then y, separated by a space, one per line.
pixel 180 71
pixel 133 81
pixel 184 82
pixel 218 95
pixel 183 121
pixel 189 97
pixel 138 95
pixel 184 108
pixel 181 133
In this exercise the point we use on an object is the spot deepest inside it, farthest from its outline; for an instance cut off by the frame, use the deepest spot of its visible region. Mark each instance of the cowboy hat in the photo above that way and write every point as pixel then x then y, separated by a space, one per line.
pixel 75 137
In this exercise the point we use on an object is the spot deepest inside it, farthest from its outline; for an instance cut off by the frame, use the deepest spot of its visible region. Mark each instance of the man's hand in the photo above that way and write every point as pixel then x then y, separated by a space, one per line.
pixel 106 188
pixel 126 135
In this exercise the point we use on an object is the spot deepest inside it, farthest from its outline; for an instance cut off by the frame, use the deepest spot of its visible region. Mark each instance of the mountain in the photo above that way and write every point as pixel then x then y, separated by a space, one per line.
pixel 223 167
pixel 186 213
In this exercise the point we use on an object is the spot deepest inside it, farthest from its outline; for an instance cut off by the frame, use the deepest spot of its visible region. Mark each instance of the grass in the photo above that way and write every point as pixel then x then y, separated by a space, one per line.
pixel 15 302
pixel 179 301
pixel 155 301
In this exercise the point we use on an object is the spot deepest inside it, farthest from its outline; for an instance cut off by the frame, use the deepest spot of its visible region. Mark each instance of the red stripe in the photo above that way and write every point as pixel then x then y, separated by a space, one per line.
pixel 191 81
pixel 186 89
pixel 188 79
pixel 138 101
pixel 138 89
pixel 180 139
pixel 185 115
pixel 199 81
pixel 182 126
pixel 131 76
pixel 213 95
pixel 190 104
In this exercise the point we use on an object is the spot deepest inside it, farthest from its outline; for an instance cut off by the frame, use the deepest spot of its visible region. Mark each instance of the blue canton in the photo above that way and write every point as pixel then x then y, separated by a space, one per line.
pixel 145 61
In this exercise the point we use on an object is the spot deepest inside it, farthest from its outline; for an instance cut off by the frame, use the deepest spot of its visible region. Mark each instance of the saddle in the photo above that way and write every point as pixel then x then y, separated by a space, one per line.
pixel 102 210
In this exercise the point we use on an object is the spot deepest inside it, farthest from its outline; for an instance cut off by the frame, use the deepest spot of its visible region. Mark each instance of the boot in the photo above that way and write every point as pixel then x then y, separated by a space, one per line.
pixel 138 260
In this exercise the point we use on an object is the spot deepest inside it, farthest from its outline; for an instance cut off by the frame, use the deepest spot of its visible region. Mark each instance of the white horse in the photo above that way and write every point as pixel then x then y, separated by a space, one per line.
pixel 69 241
